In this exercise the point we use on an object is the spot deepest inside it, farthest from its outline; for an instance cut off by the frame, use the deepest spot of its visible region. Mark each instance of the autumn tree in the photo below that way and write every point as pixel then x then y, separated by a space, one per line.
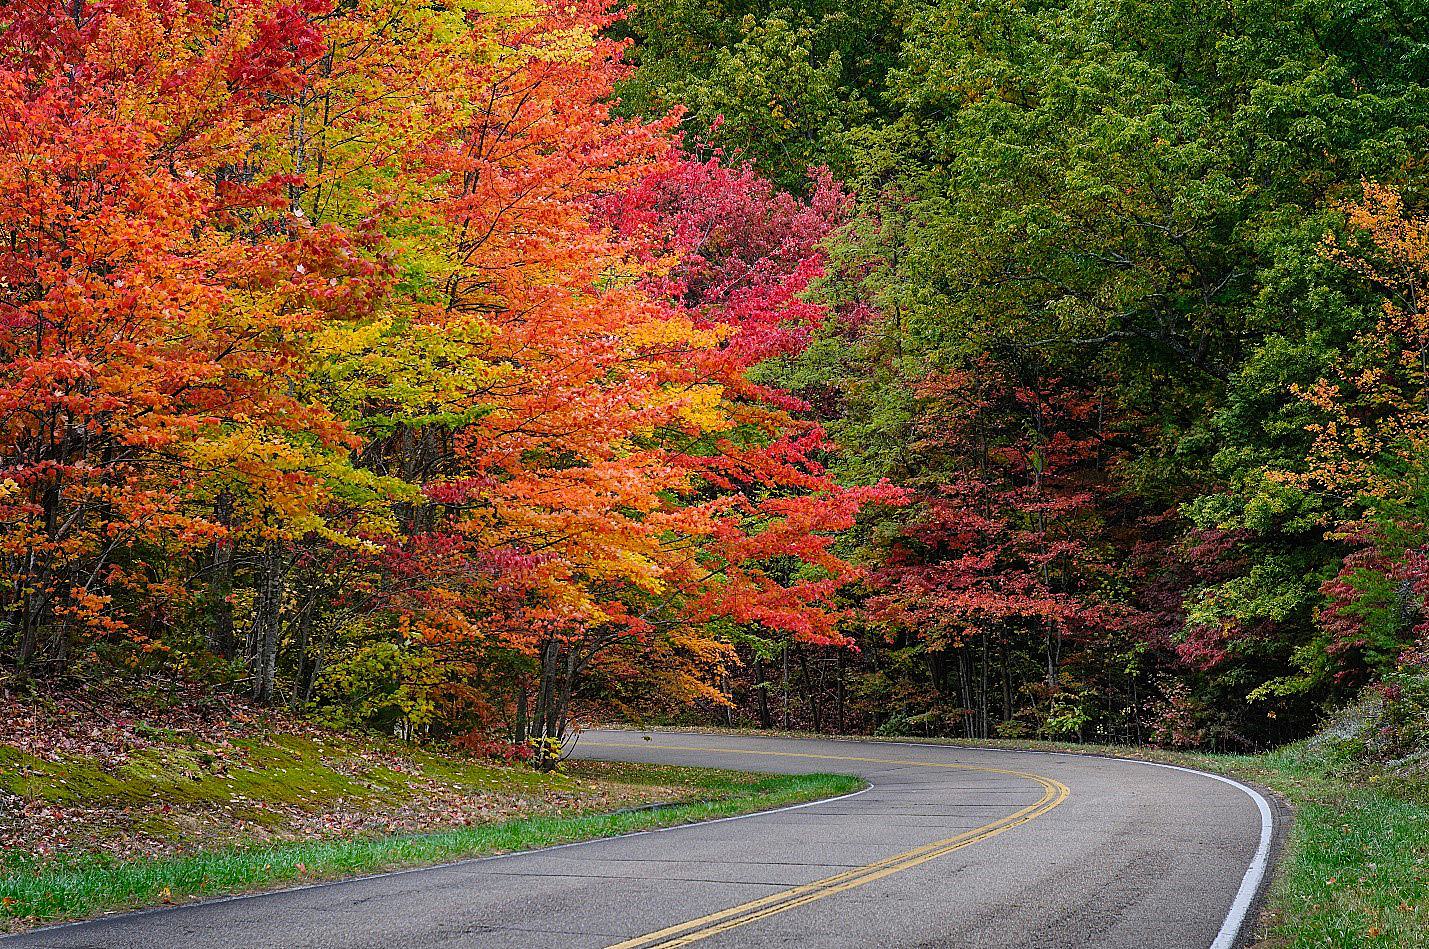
pixel 1366 463
pixel 156 305
pixel 1131 196
pixel 1006 568
pixel 364 355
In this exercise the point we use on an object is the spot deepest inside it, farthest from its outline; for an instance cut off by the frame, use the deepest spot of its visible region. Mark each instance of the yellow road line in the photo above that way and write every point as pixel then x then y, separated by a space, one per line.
pixel 694 930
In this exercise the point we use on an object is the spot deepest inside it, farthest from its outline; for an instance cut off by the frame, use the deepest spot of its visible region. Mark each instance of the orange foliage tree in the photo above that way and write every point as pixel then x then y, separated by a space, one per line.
pixel 364 351
pixel 150 308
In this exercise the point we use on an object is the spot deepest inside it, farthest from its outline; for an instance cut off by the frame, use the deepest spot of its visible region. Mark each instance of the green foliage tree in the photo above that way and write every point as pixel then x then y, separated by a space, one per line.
pixel 1134 194
pixel 786 86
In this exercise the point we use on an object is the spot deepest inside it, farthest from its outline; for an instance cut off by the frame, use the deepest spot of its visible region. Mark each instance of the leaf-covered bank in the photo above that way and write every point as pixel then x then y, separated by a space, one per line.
pixel 100 815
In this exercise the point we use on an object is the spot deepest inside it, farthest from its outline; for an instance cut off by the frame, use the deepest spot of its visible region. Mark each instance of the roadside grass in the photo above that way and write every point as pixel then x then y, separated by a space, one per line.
pixel 1354 873
pixel 139 816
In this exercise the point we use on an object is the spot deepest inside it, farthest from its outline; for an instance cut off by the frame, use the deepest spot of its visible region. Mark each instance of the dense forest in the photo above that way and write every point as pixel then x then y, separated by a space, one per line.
pixel 982 368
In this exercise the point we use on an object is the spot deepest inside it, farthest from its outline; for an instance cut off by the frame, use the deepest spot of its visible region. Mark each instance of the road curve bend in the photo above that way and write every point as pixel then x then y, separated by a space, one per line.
pixel 948 847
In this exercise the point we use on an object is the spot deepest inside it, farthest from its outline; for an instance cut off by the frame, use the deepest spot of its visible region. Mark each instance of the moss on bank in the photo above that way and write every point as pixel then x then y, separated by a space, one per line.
pixel 182 817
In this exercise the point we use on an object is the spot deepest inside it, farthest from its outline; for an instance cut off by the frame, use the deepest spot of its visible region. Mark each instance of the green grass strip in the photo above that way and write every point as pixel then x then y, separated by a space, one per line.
pixel 49 892
pixel 1355 872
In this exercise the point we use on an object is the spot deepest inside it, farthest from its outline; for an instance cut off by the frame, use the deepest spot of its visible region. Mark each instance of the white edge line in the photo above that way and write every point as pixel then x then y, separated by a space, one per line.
pixel 1255 873
pixel 1259 861
pixel 153 910
pixel 1249 884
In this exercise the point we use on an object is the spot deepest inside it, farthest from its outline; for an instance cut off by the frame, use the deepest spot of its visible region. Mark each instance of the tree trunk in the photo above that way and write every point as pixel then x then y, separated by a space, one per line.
pixel 784 686
pixel 563 696
pixel 550 700
pixel 310 680
pixel 1006 685
pixel 264 633
pixel 1136 710
pixel 550 656
pixel 219 636
pixel 761 691
pixel 31 608
pixel 304 676
pixel 982 700
pixel 1051 665
pixel 809 691
pixel 523 700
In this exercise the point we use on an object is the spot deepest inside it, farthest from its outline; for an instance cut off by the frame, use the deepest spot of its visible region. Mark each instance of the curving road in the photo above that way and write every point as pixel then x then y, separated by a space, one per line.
pixel 949 847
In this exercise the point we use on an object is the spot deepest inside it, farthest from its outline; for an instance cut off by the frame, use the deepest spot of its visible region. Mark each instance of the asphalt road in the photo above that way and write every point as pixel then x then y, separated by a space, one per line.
pixel 949 847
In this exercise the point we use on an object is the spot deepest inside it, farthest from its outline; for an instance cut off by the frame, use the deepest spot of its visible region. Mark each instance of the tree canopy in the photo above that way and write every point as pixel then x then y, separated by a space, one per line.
pixel 968 366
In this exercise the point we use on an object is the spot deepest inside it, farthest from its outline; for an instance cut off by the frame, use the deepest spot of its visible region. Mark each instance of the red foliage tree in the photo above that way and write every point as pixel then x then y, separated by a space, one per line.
pixel 1005 557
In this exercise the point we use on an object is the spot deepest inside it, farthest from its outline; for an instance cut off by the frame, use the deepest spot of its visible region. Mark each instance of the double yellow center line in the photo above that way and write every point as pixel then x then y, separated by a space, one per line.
pixel 694 930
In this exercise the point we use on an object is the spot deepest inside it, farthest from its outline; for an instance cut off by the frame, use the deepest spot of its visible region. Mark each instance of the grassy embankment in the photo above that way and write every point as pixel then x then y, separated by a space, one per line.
pixel 180 817
pixel 1354 873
